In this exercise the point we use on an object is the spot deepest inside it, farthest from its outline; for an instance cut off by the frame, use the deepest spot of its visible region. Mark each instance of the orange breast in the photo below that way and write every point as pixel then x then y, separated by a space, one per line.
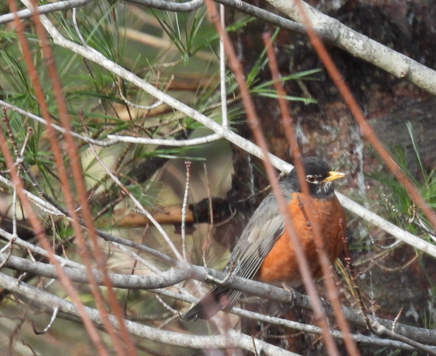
pixel 280 265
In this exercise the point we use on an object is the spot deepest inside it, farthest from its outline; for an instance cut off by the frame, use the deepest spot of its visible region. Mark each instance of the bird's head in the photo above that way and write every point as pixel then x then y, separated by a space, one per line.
pixel 319 177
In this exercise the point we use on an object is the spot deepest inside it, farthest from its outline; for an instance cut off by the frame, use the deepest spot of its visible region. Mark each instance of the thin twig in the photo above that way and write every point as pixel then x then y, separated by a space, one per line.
pixel 126 298
pixel 170 6
pixel 224 118
pixel 53 318
pixel 76 27
pixel 254 344
pixel 113 139
pixel 166 306
pixel 30 347
pixel 381 330
pixel 394 324
pixel 128 102
pixel 44 9
pixel 395 269
pixel 389 247
pixel 185 206
pixel 9 246
pixel 225 279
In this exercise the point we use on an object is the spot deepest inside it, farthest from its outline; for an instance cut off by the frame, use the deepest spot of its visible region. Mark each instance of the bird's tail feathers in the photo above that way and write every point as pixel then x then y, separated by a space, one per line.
pixel 219 298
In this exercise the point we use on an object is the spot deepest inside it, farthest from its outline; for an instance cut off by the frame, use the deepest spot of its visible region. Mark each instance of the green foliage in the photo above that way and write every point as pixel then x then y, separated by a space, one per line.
pixel 190 32
pixel 266 89
pixel 396 202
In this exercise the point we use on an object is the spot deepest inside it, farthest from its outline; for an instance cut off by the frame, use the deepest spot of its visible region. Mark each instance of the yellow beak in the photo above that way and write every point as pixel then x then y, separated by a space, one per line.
pixel 333 176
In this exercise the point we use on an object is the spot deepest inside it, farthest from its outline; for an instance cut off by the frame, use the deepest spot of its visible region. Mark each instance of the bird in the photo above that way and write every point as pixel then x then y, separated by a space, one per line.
pixel 265 252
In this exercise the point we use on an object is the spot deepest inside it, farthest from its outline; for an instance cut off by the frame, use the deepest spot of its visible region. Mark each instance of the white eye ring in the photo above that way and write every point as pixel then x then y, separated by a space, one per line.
pixel 311 179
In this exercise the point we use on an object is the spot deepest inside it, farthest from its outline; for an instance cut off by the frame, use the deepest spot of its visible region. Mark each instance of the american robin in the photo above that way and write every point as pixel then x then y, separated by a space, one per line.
pixel 265 251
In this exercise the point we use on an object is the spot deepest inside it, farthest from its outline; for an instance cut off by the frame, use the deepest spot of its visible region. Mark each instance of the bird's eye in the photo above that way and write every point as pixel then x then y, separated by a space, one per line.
pixel 311 179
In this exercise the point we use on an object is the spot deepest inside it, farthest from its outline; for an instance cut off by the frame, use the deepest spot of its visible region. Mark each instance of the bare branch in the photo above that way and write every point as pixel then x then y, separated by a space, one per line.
pixel 38 250
pixel 295 325
pixel 114 139
pixel 233 338
pixel 382 330
pixel 316 330
pixel 385 225
pixel 363 47
pixel 262 290
pixel 45 9
pixel 271 18
pixel 43 205
pixel 170 6
pixel 56 127
pixel 53 318
pixel 164 279
pixel 162 142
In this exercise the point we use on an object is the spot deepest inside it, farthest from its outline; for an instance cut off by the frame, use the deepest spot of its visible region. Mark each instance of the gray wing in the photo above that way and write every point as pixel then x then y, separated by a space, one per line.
pixel 258 238
pixel 264 228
